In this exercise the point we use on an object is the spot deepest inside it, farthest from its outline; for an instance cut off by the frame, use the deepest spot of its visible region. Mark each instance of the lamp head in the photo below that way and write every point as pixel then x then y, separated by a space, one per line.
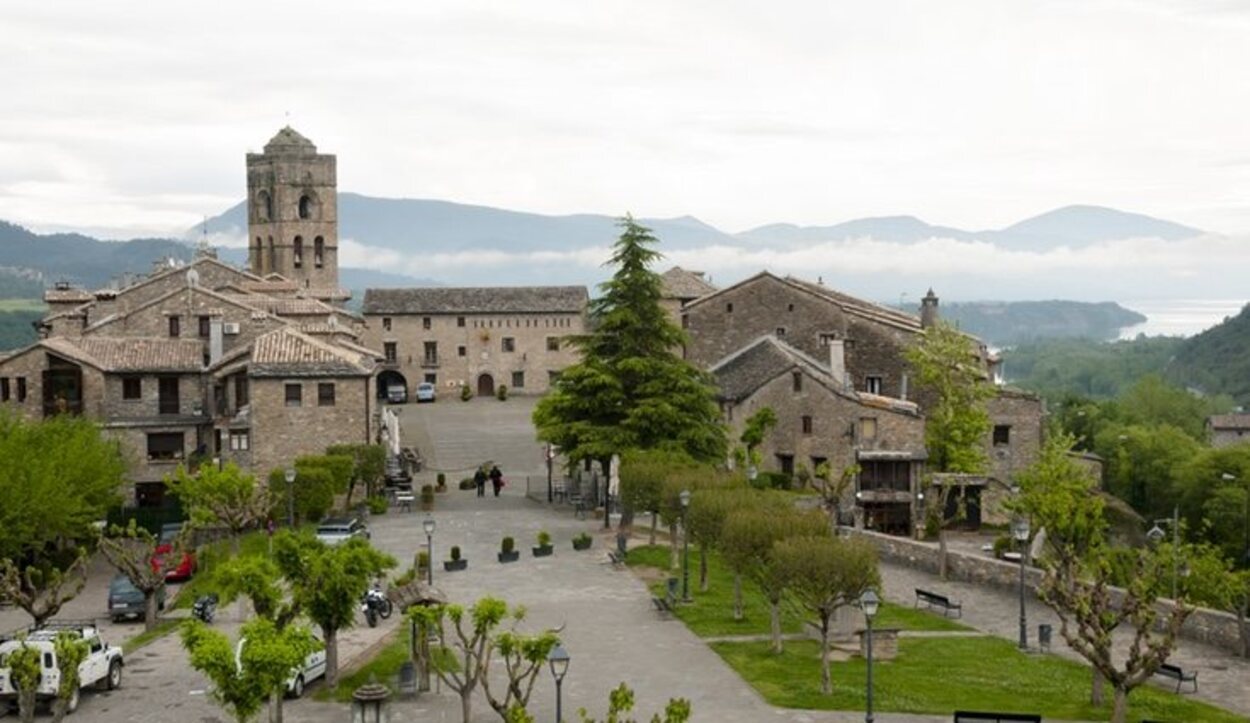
pixel 1020 529
pixel 428 525
pixel 558 659
pixel 290 475
pixel 869 602
pixel 1155 534
pixel 685 498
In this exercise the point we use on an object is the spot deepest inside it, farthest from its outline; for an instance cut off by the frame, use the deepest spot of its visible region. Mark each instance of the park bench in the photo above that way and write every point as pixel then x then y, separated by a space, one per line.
pixel 932 599
pixel 662 605
pixel 973 716
pixel 1180 676
pixel 617 557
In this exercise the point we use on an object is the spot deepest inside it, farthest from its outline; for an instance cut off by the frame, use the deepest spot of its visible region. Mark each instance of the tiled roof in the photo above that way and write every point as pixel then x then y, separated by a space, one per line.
pixel 269 286
pixel 289 141
pixel 288 352
pixel 114 354
pixel 679 283
pixel 860 306
pixel 1229 421
pixel 67 296
pixel 282 305
pixel 477 300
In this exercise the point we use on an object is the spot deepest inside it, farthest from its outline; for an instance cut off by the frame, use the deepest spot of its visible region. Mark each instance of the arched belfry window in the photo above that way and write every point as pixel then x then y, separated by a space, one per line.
pixel 305 207
pixel 319 252
pixel 273 256
pixel 299 251
pixel 264 206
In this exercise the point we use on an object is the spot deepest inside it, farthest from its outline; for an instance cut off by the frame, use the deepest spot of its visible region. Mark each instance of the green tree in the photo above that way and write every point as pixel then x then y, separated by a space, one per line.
pixel 326 583
pixel 368 465
pixel 621 701
pixel 709 508
pixel 265 657
pixel 131 550
pixel 755 431
pixel 949 370
pixel 823 574
pixel 643 474
pixel 630 390
pixel 71 650
pixel 1142 464
pixel 227 497
pixel 748 540
pixel 524 656
pixel 467 640
pixel 1152 402
pixel 1215 582
pixel 25 668
pixel 1078 568
pixel 1211 490
pixel 312 493
pixel 42 588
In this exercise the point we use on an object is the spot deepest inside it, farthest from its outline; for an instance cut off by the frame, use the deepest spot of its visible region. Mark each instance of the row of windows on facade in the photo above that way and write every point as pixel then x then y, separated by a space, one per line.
pixel 868 430
pixel 264 206
pixel 13 389
pixel 204 326
pixel 294 394
pixel 427 322
pixel 319 249
pixel 518 379
pixel 874 475
pixel 872 383
pixel 171 446
pixel 507 345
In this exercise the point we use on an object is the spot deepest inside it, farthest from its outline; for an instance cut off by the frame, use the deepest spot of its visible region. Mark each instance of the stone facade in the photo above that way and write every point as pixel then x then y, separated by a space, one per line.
pixel 281 431
pixel 1225 430
pixel 466 342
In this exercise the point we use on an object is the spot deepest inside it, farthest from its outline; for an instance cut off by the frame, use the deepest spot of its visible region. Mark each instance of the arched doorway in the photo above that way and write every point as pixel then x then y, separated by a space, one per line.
pixel 390 378
pixel 486 386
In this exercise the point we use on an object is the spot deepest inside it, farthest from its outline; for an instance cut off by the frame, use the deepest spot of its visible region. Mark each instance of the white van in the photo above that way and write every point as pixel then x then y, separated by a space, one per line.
pixel 314 667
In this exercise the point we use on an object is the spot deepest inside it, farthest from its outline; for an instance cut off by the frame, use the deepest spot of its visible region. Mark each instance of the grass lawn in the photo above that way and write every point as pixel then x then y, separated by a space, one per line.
pixel 384 666
pixel 163 628
pixel 251 544
pixel 940 675
pixel 711 613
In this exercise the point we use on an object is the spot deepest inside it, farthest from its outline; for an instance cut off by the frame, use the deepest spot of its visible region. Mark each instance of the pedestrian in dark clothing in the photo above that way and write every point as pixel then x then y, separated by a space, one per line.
pixel 496 479
pixel 479 479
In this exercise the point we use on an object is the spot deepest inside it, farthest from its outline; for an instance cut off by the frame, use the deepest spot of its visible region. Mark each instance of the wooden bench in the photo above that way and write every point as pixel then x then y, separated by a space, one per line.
pixel 971 716
pixel 1179 675
pixel 932 599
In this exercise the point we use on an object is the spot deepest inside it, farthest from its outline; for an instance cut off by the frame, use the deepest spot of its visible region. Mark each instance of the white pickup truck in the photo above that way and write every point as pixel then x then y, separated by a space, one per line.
pixel 102 667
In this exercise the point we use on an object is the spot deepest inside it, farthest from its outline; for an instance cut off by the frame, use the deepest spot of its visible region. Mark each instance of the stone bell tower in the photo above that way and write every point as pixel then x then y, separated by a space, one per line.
pixel 292 212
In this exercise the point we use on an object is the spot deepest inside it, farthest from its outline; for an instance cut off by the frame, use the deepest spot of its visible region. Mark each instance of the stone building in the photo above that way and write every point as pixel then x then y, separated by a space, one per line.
pixel 863 344
pixel 479 337
pixel 680 287
pixel 209 362
pixel 1225 430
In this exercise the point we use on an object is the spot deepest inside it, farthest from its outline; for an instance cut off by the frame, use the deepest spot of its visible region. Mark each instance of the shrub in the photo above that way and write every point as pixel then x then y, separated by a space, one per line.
pixel 427 493
pixel 378 505
pixel 544 539
pixel 583 538
pixel 468 484
pixel 455 552
pixel 442 480
pixel 465 393
pixel 771 481
pixel 508 545
pixel 423 560
pixel 409 575
pixel 501 392
pixel 1002 544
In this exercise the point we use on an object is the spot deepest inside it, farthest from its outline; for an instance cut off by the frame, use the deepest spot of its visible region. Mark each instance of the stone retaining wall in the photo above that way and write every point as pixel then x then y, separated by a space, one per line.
pixel 1203 625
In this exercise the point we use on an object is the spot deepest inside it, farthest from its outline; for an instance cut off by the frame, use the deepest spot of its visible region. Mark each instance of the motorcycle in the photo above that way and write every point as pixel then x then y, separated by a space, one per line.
pixel 374 604
pixel 205 608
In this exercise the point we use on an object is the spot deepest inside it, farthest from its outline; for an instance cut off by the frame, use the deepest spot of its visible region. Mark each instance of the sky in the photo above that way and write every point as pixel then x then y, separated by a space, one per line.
pixel 131 118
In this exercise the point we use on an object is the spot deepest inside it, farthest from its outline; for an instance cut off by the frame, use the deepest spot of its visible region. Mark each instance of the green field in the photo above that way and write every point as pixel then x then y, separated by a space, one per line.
pixel 7 305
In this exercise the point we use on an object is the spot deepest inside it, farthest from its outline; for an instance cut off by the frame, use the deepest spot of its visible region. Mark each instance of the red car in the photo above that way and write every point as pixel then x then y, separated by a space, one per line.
pixel 164 547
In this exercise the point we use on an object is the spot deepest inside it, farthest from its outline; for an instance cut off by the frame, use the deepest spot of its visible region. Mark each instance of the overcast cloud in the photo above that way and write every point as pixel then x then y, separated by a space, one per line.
pixel 132 117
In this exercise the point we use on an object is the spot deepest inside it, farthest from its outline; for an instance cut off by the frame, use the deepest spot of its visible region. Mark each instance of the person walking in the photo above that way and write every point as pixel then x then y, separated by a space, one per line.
pixel 479 479
pixel 496 479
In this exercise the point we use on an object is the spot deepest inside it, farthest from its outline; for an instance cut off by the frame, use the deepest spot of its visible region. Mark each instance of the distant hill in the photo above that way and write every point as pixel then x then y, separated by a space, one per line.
pixel 902 229
pixel 1085 225
pixel 1217 361
pixel 1009 323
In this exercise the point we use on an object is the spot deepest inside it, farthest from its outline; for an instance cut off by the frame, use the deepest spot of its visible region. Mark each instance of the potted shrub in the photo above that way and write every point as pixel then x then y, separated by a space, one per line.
pixel 501 392
pixel 468 484
pixel 455 563
pixel 442 483
pixel 582 542
pixel 465 393
pixel 378 505
pixel 422 562
pixel 427 497
pixel 544 547
pixel 507 550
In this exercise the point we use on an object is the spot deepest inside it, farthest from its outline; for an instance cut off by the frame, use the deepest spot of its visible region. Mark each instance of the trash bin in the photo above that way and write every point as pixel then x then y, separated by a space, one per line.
pixel 1043 636
pixel 407 679
pixel 673 584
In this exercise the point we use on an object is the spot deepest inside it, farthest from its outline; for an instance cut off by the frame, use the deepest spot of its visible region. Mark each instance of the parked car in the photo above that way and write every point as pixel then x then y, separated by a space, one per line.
pixel 102 666
pixel 126 600
pixel 314 667
pixel 425 392
pixel 165 547
pixel 397 394
pixel 336 531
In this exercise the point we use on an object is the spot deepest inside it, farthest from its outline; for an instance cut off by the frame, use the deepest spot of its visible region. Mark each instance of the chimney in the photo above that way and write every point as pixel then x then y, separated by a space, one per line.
pixel 214 340
pixel 837 361
pixel 929 310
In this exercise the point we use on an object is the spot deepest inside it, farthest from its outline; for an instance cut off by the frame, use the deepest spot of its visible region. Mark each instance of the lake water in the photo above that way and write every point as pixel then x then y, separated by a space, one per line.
pixel 1179 317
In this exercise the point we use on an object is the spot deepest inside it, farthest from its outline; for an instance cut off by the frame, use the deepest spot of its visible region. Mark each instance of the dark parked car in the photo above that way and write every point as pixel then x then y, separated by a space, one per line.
pixel 126 601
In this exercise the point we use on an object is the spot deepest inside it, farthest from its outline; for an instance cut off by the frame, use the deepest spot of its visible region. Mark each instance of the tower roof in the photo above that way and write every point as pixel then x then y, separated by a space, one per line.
pixel 288 141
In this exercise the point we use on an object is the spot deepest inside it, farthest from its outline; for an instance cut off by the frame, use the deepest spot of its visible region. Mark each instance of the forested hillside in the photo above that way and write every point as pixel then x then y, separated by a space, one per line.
pixel 1218 359
pixel 1016 322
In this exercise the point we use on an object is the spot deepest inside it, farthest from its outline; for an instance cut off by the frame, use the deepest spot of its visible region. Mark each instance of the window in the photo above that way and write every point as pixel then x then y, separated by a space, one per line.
pixel 460 321
pixel 294 395
pixel 807 424
pixel 265 206
pixel 431 352
pixel 553 343
pixel 391 350
pixel 305 207
pixel 325 394
pixel 867 428
pixel 165 446
pixel 21 389
pixel 1002 435
pixel 796 381
pixel 789 307
pixel 240 440
pixel 729 308
pixel 431 379
pixel 518 380
pixel 167 395
pixel 781 331
pixel 299 251
pixel 319 252
pixel 462 351
pixel 818 462
pixel 826 338
pixel 4 389
pixel 685 321
pixel 786 462
pixel 386 323
pixel 206 327
pixel 553 376
pixel 240 391
pixel 425 322
pixel 509 344
pixel 872 385
pixel 893 475
pixel 175 326
pixel 132 387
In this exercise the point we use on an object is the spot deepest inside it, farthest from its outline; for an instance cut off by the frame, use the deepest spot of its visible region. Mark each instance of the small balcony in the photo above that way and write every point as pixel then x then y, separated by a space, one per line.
pixel 430 362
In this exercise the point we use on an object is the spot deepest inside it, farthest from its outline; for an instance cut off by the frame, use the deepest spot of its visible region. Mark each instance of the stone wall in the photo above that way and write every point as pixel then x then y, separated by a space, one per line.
pixel 465 353
pixel 30 365
pixel 1212 627
pixel 280 433
pixel 153 321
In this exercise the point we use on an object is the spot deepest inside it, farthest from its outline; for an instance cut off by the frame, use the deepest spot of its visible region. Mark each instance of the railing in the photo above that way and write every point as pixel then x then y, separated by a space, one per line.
pixel 430 362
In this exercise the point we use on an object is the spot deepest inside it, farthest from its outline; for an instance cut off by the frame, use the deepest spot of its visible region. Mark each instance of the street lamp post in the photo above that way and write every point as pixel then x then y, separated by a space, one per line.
pixel 290 497
pixel 558 659
pixel 869 602
pixel 685 547
pixel 428 524
pixel 1020 531
pixel 1156 535
pixel 550 487
pixel 920 521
